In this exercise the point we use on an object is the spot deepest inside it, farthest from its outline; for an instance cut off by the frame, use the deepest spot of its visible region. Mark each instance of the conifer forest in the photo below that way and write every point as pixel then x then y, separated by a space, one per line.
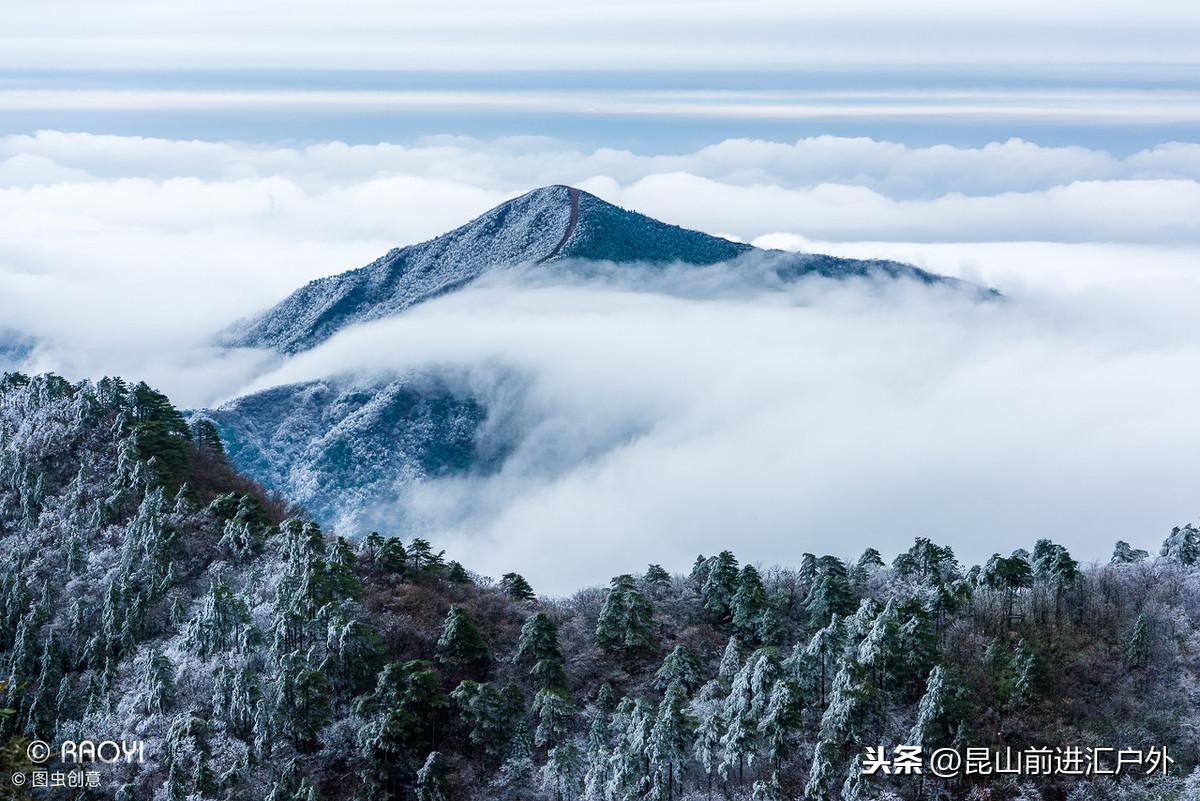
pixel 149 592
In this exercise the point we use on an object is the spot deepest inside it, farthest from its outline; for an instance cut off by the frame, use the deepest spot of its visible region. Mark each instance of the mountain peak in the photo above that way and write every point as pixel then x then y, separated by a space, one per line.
pixel 544 224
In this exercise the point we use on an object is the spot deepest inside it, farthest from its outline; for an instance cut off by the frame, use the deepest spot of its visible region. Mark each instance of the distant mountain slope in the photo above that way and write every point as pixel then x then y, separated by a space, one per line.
pixel 543 226
pixel 347 450
pixel 547 223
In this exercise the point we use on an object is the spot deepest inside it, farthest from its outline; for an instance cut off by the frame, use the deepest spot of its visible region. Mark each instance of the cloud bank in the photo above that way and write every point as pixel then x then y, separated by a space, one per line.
pixel 704 413
pixel 701 412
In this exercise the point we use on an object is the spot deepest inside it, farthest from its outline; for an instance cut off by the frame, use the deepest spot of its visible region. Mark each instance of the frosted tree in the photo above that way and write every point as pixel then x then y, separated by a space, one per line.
pixel 155 681
pixel 489 715
pixel 628 770
pixel 780 720
pixel 1137 649
pixel 876 651
pixel 301 699
pixel 538 646
pixel 720 584
pixel 680 667
pixel 1182 545
pixel 930 728
pixel 626 621
pixel 838 730
pixel 749 607
pixel 768 789
pixel 656 579
pixel 823 651
pixel 1125 554
pixel 431 779
pixel 927 561
pixel 554 713
pixel 731 660
pixel 217 624
pixel 1025 668
pixel 461 646
pixel 748 696
pixel 516 587
pixel 708 710
pixel 668 743
pixel 514 781
pixel 830 593
pixel 562 773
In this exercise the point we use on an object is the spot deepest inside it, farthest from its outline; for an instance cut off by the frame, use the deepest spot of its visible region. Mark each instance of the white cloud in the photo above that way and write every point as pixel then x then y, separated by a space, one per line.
pixel 120 253
pixel 663 424
pixel 674 421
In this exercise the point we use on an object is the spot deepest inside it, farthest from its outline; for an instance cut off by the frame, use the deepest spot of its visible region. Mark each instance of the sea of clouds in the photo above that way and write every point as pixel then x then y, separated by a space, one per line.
pixel 701 410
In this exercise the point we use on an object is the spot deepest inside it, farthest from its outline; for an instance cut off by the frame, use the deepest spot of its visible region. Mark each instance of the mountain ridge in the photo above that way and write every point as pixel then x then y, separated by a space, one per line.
pixel 540 227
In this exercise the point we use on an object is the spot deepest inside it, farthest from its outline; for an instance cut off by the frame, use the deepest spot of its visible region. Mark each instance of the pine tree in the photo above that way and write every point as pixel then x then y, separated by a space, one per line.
pixel 930 728
pixel 830 593
pixel 217 625
pixel 554 713
pixel 1182 545
pixel 538 645
pixel 731 660
pixel 563 772
pixel 515 586
pixel 457 574
pixel 780 719
pixel 1137 649
pixel 1124 554
pixel 539 640
pixel 461 646
pixel 488 714
pixel 156 682
pixel 656 579
pixel 1026 670
pixel 748 606
pixel 392 557
pixel 720 584
pixel 301 700
pixel 668 743
pixel 431 779
pixel 626 624
pixel 823 650
pixel 680 667
pixel 769 790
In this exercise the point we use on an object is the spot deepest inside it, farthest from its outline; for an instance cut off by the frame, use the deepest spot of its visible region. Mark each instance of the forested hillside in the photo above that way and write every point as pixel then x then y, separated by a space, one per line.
pixel 147 591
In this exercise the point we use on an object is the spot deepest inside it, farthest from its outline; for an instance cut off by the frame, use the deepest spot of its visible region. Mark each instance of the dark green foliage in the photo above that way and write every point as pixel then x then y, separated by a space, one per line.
pixel 461 646
pixel 656 578
pixel 159 432
pixel 830 593
pixel 517 587
pixel 751 616
pixel 626 622
pixel 718 577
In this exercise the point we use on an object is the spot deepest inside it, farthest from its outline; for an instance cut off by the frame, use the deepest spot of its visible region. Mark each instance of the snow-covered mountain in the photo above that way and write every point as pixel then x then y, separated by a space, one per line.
pixel 544 226
pixel 347 449
pixel 350 448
